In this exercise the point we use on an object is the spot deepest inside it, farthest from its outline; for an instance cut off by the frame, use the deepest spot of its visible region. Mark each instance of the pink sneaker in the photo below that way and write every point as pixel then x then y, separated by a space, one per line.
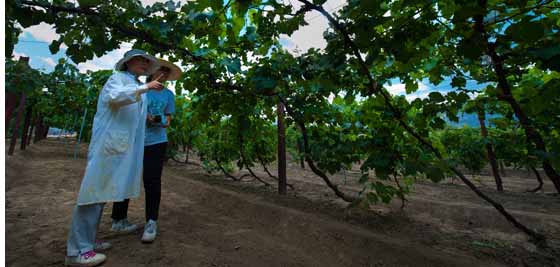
pixel 89 258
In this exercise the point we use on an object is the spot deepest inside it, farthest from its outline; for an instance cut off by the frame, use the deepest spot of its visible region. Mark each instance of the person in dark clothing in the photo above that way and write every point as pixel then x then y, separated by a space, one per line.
pixel 161 105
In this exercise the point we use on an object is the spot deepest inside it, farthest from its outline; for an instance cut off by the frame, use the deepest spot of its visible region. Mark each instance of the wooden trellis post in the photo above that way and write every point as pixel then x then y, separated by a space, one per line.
pixel 21 111
pixel 26 124
pixel 77 148
pixel 282 180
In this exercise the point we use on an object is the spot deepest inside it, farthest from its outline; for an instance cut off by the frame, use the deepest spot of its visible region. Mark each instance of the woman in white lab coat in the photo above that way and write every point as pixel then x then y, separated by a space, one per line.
pixel 114 165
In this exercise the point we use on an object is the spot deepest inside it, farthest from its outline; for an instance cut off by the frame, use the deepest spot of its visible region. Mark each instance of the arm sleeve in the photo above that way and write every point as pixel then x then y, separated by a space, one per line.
pixel 170 108
pixel 117 94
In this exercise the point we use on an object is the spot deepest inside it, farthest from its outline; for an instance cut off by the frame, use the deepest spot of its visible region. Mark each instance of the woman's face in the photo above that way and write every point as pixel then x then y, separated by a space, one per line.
pixel 164 75
pixel 138 65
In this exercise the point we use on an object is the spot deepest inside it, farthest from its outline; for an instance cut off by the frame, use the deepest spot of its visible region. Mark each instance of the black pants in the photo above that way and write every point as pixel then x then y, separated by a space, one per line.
pixel 153 166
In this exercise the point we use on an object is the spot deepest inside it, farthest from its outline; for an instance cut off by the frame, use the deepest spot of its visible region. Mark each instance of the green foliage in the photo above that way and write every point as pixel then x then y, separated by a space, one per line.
pixel 236 70
pixel 59 97
pixel 465 147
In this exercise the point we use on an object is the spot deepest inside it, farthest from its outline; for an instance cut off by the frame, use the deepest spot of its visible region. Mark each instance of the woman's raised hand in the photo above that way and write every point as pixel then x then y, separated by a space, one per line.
pixel 155 84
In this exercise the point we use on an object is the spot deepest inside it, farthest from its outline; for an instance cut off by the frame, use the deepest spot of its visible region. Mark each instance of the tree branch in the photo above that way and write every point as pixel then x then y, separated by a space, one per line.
pixel 268 172
pixel 134 32
pixel 536 237
pixel 308 159
pixel 525 11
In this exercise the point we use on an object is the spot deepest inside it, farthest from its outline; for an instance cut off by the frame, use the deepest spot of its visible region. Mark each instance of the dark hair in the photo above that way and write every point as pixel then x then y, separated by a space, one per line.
pixel 162 68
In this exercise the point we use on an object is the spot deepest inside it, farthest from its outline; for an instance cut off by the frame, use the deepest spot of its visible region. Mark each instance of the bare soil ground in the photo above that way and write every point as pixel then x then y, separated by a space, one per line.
pixel 206 220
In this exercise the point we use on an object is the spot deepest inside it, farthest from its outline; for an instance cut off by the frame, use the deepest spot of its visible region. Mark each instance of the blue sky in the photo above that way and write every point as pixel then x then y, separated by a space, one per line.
pixel 37 51
pixel 34 43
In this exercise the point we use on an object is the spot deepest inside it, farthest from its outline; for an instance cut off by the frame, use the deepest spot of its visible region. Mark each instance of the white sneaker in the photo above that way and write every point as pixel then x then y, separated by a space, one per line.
pixel 123 226
pixel 89 258
pixel 101 245
pixel 150 232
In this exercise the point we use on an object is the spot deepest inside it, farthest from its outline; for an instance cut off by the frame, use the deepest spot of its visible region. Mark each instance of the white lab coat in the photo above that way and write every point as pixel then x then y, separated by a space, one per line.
pixel 116 150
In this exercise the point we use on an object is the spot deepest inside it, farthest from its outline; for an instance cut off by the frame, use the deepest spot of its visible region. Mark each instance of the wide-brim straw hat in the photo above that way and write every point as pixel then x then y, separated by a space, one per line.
pixel 154 63
pixel 174 71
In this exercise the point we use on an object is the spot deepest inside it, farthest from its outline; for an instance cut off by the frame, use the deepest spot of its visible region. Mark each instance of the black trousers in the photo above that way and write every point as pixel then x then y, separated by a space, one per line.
pixel 153 166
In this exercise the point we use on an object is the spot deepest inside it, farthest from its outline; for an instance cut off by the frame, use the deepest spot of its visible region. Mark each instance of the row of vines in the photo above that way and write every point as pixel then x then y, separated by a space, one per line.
pixel 338 113
pixel 63 99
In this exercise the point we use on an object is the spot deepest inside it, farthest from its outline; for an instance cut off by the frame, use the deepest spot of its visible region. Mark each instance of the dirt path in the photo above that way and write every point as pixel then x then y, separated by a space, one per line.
pixel 206 222
pixel 453 207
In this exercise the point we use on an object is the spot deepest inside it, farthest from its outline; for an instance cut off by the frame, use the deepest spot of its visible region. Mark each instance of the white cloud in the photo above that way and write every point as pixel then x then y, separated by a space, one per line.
pixel 311 36
pixel 418 94
pixel 42 32
pixel 396 89
pixel 151 2
pixel 423 87
pixel 89 65
pixel 473 95
pixel 106 61
pixel 47 60
pixel 400 89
